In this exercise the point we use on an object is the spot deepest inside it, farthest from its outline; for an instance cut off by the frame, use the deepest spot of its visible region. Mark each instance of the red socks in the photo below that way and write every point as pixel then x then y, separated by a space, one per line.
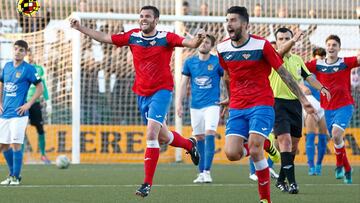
pixel 341 159
pixel 264 184
pixel 180 141
pixel 150 162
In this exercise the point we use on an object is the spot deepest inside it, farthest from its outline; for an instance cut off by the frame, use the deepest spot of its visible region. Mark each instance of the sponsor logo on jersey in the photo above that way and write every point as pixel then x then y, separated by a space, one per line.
pixel 204 82
pixel 10 89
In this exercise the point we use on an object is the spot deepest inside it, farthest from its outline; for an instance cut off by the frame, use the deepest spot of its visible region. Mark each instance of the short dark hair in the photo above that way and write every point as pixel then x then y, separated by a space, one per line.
pixel 22 43
pixel 212 39
pixel 185 3
pixel 153 8
pixel 283 30
pixel 241 11
pixel 333 37
pixel 318 51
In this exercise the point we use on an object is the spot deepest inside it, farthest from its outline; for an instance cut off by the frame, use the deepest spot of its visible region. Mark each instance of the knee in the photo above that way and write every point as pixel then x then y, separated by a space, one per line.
pixel 151 135
pixel 232 155
pixel 255 149
pixel 285 143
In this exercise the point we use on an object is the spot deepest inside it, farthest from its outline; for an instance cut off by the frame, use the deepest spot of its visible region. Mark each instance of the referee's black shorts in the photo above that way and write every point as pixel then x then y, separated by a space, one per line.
pixel 35 114
pixel 288 117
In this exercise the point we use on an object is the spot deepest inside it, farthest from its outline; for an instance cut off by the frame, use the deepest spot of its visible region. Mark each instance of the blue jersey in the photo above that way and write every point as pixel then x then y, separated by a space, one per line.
pixel 205 80
pixel 314 91
pixel 16 83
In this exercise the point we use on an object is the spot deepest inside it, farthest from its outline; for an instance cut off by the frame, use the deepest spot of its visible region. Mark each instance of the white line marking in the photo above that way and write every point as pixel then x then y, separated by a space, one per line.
pixel 170 185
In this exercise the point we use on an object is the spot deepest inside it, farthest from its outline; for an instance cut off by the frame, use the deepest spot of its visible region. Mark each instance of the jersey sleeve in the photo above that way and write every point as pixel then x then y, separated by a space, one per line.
pixel 186 70
pixel 32 76
pixel 222 62
pixel 351 62
pixel 304 71
pixel 311 65
pixel 121 39
pixel 174 40
pixel 271 56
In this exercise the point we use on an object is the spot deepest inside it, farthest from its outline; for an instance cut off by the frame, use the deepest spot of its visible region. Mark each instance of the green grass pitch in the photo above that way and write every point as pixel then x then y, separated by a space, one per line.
pixel 173 183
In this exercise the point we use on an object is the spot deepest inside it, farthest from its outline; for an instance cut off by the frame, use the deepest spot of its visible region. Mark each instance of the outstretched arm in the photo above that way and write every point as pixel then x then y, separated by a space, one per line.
pixel 294 87
pixel 289 44
pixel 196 41
pixel 98 36
pixel 317 85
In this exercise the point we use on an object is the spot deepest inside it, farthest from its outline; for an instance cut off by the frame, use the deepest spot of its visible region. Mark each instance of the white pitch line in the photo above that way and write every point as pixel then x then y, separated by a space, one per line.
pixel 169 185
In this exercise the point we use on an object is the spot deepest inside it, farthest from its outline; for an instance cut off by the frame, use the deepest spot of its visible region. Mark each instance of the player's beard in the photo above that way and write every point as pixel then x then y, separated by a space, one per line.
pixel 150 28
pixel 237 35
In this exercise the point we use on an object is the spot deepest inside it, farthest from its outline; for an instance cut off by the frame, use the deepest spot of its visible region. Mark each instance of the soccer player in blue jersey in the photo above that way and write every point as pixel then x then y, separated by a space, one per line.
pixel 15 80
pixel 204 73
pixel 315 125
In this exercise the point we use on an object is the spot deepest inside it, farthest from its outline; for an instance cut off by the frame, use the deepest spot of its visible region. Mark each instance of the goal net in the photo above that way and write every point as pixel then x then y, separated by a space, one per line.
pixel 94 116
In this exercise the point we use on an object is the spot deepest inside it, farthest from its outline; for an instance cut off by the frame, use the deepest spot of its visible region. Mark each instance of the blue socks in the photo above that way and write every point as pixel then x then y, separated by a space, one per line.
pixel 321 148
pixel 209 151
pixel 8 155
pixel 201 148
pixel 251 166
pixel 270 163
pixel 310 148
pixel 18 158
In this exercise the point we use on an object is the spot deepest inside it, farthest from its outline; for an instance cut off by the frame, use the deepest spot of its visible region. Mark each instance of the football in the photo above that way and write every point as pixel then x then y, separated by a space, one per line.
pixel 62 162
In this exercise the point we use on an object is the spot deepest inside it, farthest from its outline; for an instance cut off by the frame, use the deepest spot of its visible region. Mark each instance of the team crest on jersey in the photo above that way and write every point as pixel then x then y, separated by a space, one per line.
pixel 153 43
pixel 18 74
pixel 246 56
pixel 28 7
pixel 210 67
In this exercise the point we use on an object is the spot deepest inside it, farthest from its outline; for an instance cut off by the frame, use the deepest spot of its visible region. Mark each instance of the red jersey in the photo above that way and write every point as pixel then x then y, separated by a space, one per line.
pixel 152 56
pixel 249 67
pixel 335 77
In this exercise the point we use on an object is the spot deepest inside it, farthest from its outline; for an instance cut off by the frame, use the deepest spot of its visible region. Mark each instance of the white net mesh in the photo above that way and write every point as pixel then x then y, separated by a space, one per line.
pixel 111 126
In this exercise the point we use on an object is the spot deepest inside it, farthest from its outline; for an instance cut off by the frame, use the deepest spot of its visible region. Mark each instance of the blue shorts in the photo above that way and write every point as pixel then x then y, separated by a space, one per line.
pixel 155 107
pixel 339 117
pixel 258 119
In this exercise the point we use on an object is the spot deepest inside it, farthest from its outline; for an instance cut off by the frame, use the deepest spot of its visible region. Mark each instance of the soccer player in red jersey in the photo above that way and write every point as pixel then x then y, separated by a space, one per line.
pixel 247 60
pixel 334 73
pixel 152 51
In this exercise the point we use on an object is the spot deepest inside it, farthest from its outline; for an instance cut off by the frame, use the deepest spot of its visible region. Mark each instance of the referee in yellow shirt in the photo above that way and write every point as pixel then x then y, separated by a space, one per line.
pixel 288 109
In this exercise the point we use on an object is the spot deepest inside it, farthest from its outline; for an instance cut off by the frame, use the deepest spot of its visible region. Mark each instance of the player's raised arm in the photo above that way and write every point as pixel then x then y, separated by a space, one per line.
pixel 294 87
pixel 282 50
pixel 184 81
pixel 196 41
pixel 98 36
